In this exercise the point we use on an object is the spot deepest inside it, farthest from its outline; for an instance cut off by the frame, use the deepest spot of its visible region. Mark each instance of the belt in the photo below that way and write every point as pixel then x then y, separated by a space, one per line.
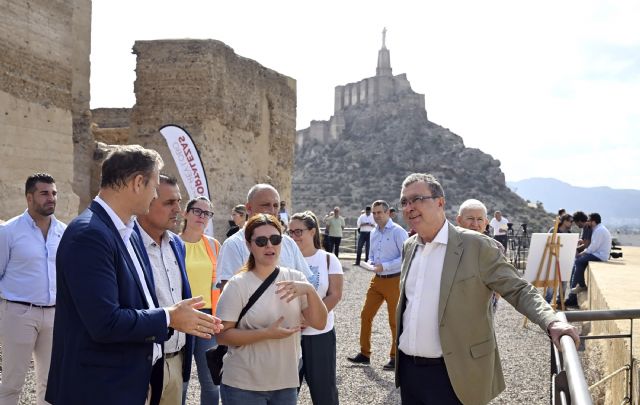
pixel 31 305
pixel 171 355
pixel 424 361
pixel 388 275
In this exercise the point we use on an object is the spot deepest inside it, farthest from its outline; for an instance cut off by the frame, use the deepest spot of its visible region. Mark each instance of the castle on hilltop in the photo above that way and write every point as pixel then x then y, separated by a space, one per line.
pixel 383 87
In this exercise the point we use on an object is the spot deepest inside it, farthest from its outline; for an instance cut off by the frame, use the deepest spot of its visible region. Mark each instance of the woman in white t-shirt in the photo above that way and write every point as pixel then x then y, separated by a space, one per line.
pixel 264 348
pixel 319 345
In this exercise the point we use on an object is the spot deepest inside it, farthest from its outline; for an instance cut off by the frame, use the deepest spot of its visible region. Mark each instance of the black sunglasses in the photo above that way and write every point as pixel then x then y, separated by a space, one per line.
pixel 261 241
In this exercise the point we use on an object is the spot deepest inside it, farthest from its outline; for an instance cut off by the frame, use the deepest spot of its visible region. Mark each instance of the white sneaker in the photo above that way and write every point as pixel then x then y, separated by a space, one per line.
pixel 578 289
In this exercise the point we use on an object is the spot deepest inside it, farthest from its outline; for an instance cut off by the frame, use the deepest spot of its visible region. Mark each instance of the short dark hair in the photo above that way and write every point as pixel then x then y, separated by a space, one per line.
pixel 580 216
pixel 168 179
pixel 367 208
pixel 30 184
pixel 595 217
pixel 561 212
pixel 127 161
pixel 383 203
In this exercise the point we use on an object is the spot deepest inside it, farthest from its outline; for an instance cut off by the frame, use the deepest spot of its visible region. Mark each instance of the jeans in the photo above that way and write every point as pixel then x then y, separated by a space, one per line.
pixel 363 241
pixel 549 292
pixel 209 393
pixel 581 264
pixel 237 396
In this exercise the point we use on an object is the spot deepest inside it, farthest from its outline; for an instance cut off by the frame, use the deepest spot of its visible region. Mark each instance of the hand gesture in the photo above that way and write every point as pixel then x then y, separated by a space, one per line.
pixel 185 317
pixel 277 331
pixel 558 329
pixel 292 289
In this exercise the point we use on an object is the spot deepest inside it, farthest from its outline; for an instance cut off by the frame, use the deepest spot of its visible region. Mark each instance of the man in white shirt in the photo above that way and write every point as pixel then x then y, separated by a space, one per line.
pixel 598 251
pixel 365 225
pixel 109 327
pixel 166 253
pixel 261 199
pixel 28 245
pixel 447 351
pixel 499 224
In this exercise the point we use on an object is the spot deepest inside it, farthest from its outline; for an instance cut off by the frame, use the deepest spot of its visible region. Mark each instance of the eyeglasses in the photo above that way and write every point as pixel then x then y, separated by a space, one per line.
pixel 261 241
pixel 412 200
pixel 199 213
pixel 296 232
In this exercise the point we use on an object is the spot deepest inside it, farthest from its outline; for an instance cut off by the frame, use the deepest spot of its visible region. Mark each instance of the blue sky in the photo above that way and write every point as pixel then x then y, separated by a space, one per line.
pixel 551 89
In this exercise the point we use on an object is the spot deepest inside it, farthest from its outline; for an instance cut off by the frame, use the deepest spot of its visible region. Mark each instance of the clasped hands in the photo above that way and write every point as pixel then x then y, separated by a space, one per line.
pixel 185 317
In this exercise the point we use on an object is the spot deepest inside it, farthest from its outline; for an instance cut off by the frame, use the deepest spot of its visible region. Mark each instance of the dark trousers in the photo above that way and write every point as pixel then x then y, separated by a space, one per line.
pixel 333 245
pixel 502 239
pixel 319 367
pixel 424 384
pixel 363 241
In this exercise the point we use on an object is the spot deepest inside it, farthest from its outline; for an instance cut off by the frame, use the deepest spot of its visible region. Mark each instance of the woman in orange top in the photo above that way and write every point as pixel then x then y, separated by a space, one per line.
pixel 201 255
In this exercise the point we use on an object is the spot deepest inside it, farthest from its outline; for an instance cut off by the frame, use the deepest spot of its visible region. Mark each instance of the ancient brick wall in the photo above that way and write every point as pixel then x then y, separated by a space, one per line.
pixel 38 53
pixel 240 115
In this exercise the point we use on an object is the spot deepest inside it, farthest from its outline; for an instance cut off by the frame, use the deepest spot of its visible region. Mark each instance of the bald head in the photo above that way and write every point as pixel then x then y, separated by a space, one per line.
pixel 262 199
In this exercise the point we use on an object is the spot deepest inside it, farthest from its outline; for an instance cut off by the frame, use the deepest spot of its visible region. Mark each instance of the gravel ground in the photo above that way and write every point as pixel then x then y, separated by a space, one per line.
pixel 524 352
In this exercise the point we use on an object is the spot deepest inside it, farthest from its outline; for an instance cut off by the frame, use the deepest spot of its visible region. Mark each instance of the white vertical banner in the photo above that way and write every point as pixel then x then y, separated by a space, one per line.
pixel 187 159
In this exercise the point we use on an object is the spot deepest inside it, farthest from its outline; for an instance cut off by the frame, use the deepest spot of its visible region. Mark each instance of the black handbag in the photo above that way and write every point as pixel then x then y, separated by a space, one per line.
pixel 216 354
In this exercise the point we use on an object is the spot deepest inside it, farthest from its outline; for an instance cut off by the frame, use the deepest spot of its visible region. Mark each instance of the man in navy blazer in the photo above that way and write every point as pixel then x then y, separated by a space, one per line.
pixel 165 252
pixel 108 326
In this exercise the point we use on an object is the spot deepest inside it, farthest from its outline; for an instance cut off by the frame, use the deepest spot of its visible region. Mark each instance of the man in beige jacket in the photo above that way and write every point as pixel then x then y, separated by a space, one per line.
pixel 447 350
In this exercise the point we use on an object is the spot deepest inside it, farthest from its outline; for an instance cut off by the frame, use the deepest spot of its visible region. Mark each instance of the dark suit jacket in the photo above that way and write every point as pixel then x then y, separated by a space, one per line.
pixel 103 331
pixel 473 268
pixel 177 245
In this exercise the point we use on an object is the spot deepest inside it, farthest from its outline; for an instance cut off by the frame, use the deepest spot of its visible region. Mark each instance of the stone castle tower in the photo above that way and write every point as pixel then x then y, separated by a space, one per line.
pixel 383 87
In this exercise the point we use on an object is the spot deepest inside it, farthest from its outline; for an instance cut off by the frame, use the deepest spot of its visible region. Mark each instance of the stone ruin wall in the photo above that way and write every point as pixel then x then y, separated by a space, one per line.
pixel 240 115
pixel 40 58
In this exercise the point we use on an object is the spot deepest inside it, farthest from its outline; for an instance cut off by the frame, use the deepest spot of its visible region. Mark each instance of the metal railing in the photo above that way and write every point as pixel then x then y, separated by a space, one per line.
pixel 568 384
pixel 349 242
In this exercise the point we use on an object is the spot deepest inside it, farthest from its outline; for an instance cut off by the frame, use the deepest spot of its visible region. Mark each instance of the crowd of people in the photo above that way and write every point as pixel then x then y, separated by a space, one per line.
pixel 116 306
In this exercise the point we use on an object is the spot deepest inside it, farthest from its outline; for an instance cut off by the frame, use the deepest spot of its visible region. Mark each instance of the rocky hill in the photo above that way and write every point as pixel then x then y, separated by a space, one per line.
pixel 384 142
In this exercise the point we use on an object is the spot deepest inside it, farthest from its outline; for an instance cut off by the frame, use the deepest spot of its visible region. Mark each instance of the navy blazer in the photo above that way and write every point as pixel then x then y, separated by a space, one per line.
pixel 179 250
pixel 103 331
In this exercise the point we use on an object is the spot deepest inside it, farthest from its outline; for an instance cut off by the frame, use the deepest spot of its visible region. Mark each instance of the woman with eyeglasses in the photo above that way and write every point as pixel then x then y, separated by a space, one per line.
pixel 319 345
pixel 238 219
pixel 261 365
pixel 201 257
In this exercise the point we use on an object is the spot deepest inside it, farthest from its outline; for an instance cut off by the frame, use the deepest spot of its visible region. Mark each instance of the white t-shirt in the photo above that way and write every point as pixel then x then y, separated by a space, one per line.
pixel 270 364
pixel 320 281
pixel 499 227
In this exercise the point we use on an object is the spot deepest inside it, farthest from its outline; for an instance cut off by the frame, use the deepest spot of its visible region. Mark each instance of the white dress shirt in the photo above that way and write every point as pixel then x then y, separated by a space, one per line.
pixel 125 231
pixel 420 330
pixel 28 261
pixel 366 223
pixel 600 245
pixel 168 280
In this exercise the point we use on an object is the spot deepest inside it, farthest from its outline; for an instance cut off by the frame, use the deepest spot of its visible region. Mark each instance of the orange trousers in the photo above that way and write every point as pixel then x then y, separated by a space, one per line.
pixel 380 290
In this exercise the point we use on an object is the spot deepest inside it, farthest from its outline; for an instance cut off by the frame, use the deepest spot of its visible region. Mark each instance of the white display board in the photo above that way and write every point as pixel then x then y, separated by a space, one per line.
pixel 568 245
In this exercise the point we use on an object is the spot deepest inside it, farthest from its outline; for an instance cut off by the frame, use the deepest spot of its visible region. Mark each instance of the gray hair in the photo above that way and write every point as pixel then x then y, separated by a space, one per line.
pixel 472 204
pixel 428 179
pixel 260 187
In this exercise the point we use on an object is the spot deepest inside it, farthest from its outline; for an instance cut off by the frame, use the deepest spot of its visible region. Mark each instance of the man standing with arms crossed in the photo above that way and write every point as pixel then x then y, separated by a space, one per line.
pixel 447 351
pixel 386 256
pixel 109 328
pixel 28 245
pixel 166 253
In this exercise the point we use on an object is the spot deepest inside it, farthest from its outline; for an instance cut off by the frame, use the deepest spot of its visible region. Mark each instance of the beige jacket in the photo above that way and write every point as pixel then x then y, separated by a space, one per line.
pixel 473 268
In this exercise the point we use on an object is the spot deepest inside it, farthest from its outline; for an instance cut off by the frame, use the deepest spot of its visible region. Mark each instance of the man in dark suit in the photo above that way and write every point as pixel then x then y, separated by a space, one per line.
pixel 446 340
pixel 166 254
pixel 108 326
